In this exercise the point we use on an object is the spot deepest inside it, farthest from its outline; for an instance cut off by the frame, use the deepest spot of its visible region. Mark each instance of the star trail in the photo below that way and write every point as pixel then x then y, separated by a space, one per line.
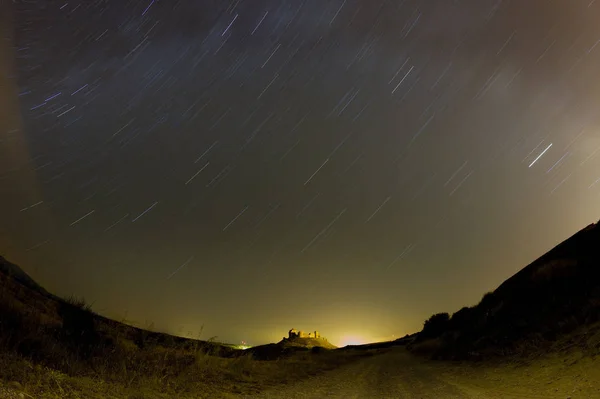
pixel 349 166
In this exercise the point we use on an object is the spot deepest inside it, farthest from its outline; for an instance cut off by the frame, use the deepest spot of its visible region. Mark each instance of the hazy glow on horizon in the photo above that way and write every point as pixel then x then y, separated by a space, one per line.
pixel 353 340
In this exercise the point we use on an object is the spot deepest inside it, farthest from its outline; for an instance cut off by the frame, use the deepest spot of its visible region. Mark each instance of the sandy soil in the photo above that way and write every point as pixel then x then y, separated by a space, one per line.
pixel 398 374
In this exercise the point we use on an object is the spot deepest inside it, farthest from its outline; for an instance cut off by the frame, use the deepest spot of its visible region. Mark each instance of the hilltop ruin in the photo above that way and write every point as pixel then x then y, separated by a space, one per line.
pixel 293 333
pixel 304 339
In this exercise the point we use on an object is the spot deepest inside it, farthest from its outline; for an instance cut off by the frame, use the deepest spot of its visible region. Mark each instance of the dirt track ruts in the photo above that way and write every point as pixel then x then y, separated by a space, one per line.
pixel 398 374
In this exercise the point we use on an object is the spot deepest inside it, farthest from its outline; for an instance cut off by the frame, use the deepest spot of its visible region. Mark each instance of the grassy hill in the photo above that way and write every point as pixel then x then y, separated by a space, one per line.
pixel 14 271
pixel 59 348
pixel 308 343
pixel 289 347
pixel 555 298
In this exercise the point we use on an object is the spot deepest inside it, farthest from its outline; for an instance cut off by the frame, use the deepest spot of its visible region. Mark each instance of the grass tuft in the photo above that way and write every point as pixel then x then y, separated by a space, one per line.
pixel 56 348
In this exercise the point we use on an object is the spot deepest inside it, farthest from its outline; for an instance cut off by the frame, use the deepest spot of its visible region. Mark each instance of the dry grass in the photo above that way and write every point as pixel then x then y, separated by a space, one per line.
pixel 56 349
pixel 205 376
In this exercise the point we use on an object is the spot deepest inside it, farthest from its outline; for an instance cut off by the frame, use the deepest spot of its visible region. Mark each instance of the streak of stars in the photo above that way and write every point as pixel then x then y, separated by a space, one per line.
pixel 244 148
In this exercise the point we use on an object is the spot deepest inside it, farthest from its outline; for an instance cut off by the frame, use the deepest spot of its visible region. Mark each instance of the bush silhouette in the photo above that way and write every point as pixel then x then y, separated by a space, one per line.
pixel 462 319
pixel 11 321
pixel 487 300
pixel 78 327
pixel 435 326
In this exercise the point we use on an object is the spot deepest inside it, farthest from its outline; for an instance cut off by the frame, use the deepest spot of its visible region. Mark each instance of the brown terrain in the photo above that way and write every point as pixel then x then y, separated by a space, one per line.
pixel 536 336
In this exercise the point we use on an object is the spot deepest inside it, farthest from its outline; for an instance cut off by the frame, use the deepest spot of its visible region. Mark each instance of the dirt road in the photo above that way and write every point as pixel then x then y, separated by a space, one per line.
pixel 398 374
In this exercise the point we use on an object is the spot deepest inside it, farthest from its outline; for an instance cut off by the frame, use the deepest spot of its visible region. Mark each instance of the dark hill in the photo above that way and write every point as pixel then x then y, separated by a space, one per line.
pixel 275 351
pixel 288 347
pixel 550 298
pixel 26 308
pixel 19 275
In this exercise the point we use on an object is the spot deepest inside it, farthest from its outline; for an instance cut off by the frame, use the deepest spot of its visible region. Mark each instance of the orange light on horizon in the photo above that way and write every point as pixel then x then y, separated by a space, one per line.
pixel 352 340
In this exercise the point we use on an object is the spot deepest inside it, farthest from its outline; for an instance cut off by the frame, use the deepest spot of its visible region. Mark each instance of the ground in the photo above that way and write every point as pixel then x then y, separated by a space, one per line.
pixel 383 373
pixel 399 374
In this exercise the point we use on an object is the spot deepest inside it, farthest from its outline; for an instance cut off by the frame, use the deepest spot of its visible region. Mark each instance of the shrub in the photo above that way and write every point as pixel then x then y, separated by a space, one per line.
pixel 435 326
pixel 462 319
pixel 12 321
pixel 487 300
pixel 78 328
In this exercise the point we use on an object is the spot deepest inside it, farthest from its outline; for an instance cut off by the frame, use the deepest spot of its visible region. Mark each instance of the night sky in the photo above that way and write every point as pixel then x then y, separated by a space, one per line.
pixel 349 166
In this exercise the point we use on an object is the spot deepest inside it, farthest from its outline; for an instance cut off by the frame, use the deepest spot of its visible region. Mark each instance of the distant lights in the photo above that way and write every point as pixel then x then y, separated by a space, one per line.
pixel 243 346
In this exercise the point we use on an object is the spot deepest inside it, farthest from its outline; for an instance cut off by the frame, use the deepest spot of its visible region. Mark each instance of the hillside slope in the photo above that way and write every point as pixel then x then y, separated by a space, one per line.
pixel 308 343
pixel 19 275
pixel 551 297
pixel 49 344
pixel 290 346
